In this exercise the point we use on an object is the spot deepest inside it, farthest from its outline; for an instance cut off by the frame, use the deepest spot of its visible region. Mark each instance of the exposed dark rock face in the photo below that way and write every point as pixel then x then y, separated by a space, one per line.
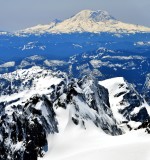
pixel 86 99
pixel 141 116
pixel 146 89
pixel 24 129
pixel 145 125
pixel 126 103
pixel 134 100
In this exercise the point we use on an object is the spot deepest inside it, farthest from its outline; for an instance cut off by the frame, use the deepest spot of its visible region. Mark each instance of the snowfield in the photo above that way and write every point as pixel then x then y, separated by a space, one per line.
pixel 78 144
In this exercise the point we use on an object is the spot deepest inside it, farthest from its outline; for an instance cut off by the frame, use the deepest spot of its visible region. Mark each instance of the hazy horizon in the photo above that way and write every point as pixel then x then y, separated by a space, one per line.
pixel 16 14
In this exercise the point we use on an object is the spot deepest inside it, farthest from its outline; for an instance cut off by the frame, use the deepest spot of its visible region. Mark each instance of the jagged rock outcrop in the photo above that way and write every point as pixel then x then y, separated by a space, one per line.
pixel 24 128
pixel 126 103
pixel 146 89
pixel 28 109
pixel 33 100
pixel 145 125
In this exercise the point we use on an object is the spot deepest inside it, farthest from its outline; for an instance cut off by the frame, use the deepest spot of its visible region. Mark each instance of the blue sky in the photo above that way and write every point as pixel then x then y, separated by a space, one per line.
pixel 19 14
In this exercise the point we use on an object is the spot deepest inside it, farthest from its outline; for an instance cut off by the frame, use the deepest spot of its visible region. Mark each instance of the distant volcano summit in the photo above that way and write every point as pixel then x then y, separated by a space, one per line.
pixel 87 21
pixel 96 16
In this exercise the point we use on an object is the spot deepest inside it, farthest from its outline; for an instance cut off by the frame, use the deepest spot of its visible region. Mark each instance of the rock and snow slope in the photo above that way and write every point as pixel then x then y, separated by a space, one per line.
pixel 88 21
pixel 45 112
pixel 75 143
pixel 37 102
pixel 146 88
pixel 126 104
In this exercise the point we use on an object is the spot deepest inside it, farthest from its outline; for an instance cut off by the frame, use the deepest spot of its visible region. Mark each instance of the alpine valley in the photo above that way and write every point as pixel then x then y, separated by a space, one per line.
pixel 77 89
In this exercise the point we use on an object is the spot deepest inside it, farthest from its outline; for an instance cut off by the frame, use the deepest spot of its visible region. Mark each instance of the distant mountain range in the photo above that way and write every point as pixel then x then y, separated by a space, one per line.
pixel 87 21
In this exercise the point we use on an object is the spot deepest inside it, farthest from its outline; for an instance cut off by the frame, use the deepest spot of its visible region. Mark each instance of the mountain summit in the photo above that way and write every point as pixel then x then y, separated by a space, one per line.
pixel 88 21
pixel 96 16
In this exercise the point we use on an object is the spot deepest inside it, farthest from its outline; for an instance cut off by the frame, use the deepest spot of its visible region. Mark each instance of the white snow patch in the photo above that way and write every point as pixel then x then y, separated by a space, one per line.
pixel 54 63
pixel 7 64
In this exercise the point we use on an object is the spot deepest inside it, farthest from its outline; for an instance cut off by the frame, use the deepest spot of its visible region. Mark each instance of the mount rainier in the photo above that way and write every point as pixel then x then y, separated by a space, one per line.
pixel 87 21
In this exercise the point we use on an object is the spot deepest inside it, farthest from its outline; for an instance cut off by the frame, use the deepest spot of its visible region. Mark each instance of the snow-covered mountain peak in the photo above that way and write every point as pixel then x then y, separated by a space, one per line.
pixel 87 21
pixel 95 16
